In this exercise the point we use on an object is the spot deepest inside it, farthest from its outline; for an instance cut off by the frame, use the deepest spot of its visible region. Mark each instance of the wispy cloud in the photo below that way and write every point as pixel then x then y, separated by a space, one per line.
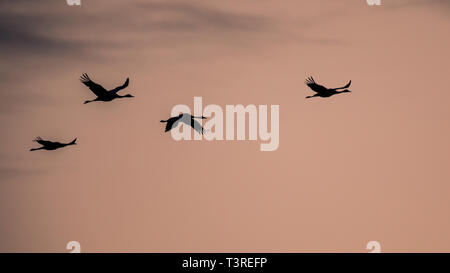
pixel 185 16
pixel 7 173
pixel 24 34
pixel 418 3
pixel 37 32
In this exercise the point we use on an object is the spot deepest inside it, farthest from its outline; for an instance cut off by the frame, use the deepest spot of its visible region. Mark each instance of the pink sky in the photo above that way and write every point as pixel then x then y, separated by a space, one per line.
pixel 362 166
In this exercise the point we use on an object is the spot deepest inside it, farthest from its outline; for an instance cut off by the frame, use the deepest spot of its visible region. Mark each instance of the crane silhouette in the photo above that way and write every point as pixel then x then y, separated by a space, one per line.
pixel 184 118
pixel 322 91
pixel 101 93
pixel 50 145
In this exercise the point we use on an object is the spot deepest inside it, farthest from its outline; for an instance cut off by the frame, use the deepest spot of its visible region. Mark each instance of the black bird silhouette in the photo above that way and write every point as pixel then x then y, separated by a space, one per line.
pixel 324 92
pixel 185 118
pixel 50 145
pixel 101 93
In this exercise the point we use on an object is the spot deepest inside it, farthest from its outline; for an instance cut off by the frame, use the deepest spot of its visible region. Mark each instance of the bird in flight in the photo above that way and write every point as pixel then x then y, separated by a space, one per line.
pixel 324 92
pixel 101 93
pixel 185 118
pixel 50 145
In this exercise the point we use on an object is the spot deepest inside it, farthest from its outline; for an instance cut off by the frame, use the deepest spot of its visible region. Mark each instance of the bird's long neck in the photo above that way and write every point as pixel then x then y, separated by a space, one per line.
pixel 124 96
pixel 73 142
pixel 35 149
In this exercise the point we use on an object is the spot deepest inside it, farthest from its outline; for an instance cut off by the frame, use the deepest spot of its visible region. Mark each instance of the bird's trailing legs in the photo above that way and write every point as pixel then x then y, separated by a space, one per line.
pixel 308 97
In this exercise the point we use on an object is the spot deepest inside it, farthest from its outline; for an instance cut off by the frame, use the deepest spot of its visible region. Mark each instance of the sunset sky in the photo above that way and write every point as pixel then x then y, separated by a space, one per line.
pixel 371 165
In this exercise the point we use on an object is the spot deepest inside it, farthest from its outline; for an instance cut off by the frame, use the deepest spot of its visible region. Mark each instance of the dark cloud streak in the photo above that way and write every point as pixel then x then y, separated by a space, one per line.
pixel 31 34
pixel 7 174
pixel 181 16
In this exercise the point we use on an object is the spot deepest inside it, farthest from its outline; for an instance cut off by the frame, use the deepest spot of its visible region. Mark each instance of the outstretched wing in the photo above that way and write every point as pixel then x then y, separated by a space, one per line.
pixel 43 142
pixel 314 86
pixel 97 89
pixel 118 88
pixel 194 124
pixel 172 123
pixel 347 86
